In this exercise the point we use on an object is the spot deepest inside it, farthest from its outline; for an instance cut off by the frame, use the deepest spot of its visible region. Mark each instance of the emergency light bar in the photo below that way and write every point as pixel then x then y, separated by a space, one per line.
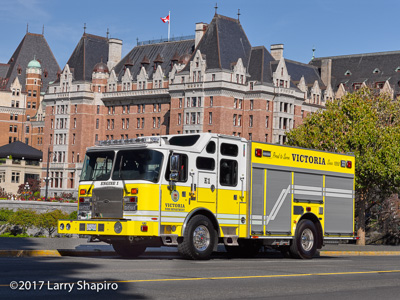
pixel 141 140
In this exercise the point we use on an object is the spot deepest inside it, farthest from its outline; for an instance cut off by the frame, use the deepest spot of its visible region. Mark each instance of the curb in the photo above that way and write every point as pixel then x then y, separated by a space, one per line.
pixel 359 253
pixel 83 253
pixel 29 253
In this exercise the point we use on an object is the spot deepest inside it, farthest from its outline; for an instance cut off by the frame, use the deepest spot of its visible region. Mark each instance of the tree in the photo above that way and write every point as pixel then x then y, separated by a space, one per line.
pixel 367 124
pixel 34 186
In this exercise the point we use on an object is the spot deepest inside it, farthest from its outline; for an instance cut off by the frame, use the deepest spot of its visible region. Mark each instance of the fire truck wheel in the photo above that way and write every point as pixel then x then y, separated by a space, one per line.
pixel 305 241
pixel 128 250
pixel 199 238
pixel 246 249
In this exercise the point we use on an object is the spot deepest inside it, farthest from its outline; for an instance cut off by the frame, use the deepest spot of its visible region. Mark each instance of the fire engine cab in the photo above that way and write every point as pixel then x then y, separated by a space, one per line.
pixel 194 191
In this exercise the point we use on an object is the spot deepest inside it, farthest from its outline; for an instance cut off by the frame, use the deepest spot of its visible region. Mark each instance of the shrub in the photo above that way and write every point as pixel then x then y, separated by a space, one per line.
pixel 25 218
pixel 48 220
pixel 73 215
pixel 5 214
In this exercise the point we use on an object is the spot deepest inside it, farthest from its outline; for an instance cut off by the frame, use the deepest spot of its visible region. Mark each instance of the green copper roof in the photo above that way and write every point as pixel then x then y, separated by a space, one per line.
pixel 34 64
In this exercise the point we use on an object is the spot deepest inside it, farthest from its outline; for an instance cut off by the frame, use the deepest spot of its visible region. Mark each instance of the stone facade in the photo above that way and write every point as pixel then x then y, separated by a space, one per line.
pixel 173 88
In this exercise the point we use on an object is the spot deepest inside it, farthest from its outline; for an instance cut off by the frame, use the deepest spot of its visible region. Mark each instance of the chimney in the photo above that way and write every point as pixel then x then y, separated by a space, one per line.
pixel 326 71
pixel 200 30
pixel 114 52
pixel 277 51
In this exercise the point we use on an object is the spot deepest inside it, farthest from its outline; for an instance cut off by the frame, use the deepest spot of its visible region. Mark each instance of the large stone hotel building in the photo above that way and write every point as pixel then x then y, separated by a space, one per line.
pixel 214 82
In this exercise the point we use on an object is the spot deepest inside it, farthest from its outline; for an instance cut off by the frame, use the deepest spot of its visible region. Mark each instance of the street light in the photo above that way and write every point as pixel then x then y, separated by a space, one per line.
pixel 26 188
pixel 47 175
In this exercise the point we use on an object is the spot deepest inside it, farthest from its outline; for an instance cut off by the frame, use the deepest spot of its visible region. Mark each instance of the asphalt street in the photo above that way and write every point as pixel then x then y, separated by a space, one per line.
pixel 358 277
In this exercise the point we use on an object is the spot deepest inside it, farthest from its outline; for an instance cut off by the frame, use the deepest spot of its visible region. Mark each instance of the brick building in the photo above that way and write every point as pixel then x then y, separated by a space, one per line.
pixel 217 82
pixel 23 82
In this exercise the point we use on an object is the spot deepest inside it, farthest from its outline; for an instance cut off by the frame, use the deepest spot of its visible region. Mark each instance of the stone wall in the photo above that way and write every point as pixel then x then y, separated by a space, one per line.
pixel 38 206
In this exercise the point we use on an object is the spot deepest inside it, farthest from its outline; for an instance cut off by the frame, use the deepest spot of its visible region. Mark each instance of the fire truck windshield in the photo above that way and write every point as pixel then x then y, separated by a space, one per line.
pixel 97 165
pixel 141 164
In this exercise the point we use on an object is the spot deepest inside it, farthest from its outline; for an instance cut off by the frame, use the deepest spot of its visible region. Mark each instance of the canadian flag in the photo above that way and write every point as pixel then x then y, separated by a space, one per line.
pixel 166 19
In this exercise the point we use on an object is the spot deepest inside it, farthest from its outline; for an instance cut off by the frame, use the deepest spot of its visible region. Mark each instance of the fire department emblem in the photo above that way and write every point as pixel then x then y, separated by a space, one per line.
pixel 175 196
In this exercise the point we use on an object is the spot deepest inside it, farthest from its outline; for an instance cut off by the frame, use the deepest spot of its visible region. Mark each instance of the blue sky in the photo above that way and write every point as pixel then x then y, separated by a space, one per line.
pixel 333 27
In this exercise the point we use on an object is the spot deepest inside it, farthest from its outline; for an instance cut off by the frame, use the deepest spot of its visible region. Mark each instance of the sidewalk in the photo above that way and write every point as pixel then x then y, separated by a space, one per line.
pixel 15 247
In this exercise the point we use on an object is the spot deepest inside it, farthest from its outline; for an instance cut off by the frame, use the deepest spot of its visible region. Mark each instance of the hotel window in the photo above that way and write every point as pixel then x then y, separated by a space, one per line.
pixel 73 139
pixel 15 177
pixel 34 93
pixel 235 103
pixel 211 101
pixel 251 121
pixel 198 118
pixel 154 107
pixel 97 123
pixel 158 122
pixel 29 93
pixel 240 120
pixel 251 104
pixel 234 120
pixel 266 121
pixel 28 105
pixel 138 123
pixel 180 102
pixel 193 118
pixel 154 122
pixel 34 105
pixel 127 123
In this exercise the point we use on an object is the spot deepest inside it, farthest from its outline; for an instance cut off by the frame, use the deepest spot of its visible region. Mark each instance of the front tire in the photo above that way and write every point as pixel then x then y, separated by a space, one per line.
pixel 198 239
pixel 305 241
pixel 127 250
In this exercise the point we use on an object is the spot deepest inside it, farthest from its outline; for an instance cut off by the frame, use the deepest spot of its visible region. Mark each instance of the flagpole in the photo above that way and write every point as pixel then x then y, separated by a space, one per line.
pixel 169 23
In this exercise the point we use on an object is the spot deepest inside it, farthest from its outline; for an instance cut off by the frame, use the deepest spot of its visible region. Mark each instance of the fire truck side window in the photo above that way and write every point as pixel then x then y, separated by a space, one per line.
pixel 205 163
pixel 228 172
pixel 229 149
pixel 211 147
pixel 183 172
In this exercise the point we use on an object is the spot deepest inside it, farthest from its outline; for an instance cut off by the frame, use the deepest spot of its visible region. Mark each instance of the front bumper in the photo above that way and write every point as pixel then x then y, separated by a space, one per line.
pixel 108 227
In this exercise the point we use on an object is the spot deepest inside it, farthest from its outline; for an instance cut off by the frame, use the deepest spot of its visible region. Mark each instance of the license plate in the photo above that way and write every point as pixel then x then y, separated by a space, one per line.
pixel 91 227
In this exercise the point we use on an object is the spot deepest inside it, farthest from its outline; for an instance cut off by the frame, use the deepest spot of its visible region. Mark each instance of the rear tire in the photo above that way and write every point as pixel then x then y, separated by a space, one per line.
pixel 304 244
pixel 199 239
pixel 127 250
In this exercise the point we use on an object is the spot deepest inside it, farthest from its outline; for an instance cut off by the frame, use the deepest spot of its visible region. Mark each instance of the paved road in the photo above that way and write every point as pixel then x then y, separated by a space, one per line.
pixel 219 278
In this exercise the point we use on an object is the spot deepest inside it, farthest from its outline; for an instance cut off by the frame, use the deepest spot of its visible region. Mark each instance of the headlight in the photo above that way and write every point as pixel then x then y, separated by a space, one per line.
pixel 68 227
pixel 62 226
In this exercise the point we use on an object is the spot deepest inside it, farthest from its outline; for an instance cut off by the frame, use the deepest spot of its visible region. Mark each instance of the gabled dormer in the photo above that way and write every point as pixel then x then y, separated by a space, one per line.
pixel 158 77
pixel 341 91
pixel 281 77
pixel 329 95
pixel 387 89
pixel 172 74
pixel 16 87
pixel 127 80
pixel 66 78
pixel 197 68
pixel 302 86
pixel 112 82
pixel 142 79
pixel 239 72
pixel 315 93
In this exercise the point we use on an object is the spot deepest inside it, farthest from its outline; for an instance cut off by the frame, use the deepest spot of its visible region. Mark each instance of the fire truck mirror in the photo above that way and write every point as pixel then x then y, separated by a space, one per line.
pixel 174 167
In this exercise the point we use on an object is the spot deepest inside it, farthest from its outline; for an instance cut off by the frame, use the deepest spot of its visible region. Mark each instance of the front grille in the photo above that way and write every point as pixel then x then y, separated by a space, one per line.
pixel 107 202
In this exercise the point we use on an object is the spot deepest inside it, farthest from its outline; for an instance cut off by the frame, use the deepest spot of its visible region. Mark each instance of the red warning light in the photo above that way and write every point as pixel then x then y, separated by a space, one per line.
pixel 258 152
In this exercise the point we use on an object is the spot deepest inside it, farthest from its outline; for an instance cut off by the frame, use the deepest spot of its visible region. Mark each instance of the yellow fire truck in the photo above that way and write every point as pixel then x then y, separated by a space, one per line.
pixel 194 191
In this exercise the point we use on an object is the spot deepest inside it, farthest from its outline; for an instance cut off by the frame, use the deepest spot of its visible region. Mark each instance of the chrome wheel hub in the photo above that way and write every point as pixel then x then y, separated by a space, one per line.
pixel 307 239
pixel 201 238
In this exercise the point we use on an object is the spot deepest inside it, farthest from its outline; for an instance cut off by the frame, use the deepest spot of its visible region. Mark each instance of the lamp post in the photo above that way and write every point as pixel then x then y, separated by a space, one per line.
pixel 47 173
pixel 26 188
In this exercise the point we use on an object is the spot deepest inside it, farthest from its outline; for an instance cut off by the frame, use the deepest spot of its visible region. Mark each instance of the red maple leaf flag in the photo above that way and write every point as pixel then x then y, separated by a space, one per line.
pixel 166 19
